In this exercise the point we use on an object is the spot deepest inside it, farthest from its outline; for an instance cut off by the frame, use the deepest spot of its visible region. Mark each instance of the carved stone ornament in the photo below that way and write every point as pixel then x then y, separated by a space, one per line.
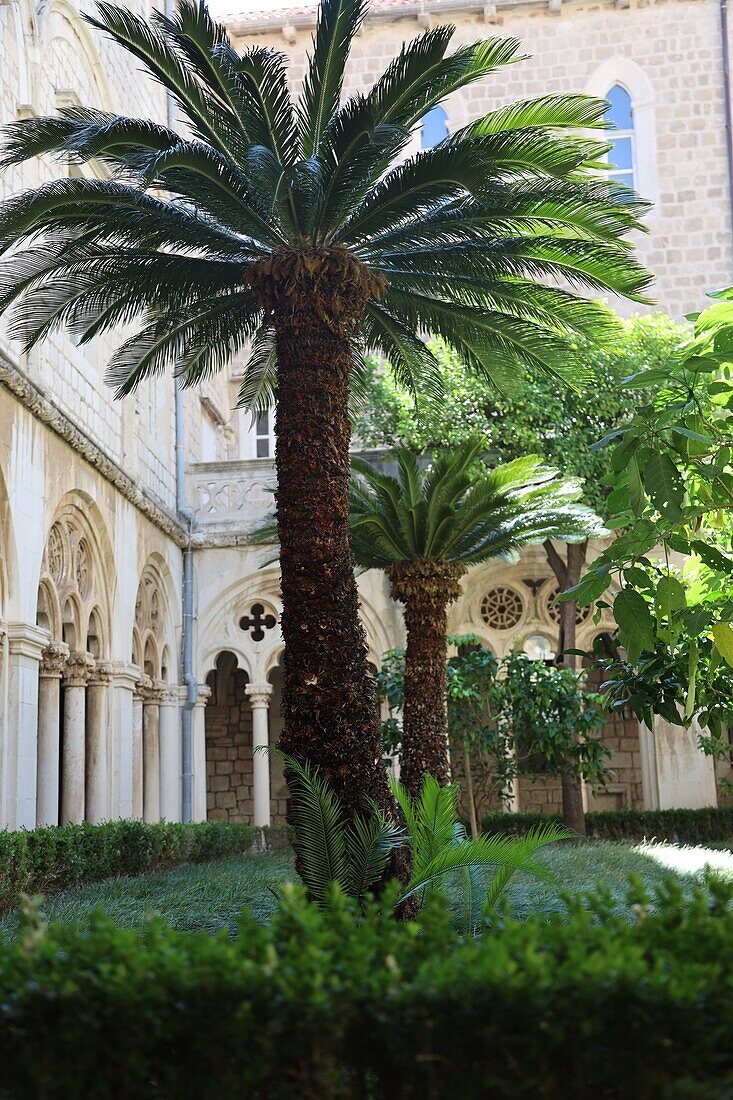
pixel 502 608
pixel 103 673
pixel 78 669
pixel 55 553
pixel 83 569
pixel 54 658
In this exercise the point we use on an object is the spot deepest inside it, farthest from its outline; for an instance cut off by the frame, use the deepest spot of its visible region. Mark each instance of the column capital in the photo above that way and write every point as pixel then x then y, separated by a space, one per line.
pixel 27 640
pixel 53 660
pixel 204 694
pixel 259 694
pixel 152 691
pixel 169 695
pixel 102 673
pixel 78 669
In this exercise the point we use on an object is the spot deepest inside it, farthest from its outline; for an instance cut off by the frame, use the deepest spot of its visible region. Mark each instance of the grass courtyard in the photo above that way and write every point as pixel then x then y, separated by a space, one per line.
pixel 211 896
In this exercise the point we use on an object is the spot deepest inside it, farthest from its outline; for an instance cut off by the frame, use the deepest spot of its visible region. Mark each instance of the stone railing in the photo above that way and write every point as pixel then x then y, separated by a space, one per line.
pixel 231 498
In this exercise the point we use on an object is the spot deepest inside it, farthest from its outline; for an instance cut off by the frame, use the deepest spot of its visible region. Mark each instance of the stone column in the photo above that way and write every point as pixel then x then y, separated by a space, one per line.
pixel 53 660
pixel 151 751
pixel 119 753
pixel 25 646
pixel 97 737
pixel 76 676
pixel 199 754
pixel 649 777
pixel 259 698
pixel 137 745
pixel 170 756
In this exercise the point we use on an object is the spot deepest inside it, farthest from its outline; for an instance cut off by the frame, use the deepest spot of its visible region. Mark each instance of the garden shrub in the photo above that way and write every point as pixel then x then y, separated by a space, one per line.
pixel 682 826
pixel 602 1002
pixel 44 861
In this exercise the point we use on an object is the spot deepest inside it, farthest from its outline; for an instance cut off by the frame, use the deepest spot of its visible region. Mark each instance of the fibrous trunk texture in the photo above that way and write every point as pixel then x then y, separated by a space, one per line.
pixel 568 573
pixel 329 709
pixel 426 588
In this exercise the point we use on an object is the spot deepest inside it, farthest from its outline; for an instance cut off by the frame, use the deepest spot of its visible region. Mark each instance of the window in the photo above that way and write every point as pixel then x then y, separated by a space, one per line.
pixel 622 153
pixel 264 447
pixel 208 439
pixel 434 127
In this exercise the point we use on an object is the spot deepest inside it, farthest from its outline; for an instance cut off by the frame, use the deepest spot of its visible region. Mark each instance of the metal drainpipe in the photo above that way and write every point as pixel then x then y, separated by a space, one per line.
pixel 726 102
pixel 189 518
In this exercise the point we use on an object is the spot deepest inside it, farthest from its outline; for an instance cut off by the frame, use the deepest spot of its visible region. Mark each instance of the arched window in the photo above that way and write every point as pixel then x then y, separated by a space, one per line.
pixel 622 155
pixel 434 127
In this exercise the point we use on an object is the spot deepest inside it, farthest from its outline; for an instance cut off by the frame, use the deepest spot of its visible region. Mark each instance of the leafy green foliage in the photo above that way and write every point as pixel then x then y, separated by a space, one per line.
pixel 559 423
pixel 510 716
pixel 354 856
pixel 672 487
pixel 47 860
pixel 459 510
pixel 467 235
pixel 379 1007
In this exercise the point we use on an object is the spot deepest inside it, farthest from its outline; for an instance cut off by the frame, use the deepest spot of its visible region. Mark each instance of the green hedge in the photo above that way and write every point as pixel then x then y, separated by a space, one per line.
pixel 685 826
pixel 44 861
pixel 598 1003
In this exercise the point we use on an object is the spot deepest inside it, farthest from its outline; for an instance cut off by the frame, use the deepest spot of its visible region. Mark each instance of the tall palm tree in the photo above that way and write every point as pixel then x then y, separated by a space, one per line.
pixel 425 527
pixel 300 230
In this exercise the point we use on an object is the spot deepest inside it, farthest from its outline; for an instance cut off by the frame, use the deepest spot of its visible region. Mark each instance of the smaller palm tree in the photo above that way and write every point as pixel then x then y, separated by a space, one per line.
pixel 425 527
pixel 354 854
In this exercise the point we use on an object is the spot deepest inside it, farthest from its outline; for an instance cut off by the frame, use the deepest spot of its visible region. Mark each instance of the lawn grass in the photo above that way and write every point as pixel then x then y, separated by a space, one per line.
pixel 211 896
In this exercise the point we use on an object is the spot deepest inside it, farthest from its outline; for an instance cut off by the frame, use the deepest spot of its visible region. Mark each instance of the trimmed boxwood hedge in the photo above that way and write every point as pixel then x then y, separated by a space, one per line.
pixel 330 1004
pixel 682 826
pixel 44 861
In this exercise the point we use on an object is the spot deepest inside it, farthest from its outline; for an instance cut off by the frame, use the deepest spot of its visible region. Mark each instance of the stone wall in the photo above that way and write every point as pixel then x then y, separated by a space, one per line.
pixel 667 53
pixel 228 747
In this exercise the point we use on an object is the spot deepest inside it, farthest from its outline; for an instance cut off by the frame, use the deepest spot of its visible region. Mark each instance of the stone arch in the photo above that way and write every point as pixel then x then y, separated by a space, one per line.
pixel 78 574
pixel 62 22
pixel 229 742
pixel 220 625
pixel 153 628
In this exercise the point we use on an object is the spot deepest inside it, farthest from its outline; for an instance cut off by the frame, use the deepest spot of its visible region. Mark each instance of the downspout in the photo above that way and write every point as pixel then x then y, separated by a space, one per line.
pixel 188 516
pixel 726 103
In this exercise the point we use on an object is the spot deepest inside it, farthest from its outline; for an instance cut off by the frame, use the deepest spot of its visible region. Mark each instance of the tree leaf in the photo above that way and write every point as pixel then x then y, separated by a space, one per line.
pixel 664 485
pixel 723 638
pixel 636 627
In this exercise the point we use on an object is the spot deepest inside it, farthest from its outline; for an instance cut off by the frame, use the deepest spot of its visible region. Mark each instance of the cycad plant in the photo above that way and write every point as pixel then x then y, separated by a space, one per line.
pixel 301 230
pixel 424 528
pixel 355 854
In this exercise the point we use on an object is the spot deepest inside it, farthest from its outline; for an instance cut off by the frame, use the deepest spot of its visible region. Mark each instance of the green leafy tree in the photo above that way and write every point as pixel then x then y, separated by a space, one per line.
pixel 299 228
pixel 507 717
pixel 424 528
pixel 560 423
pixel 671 476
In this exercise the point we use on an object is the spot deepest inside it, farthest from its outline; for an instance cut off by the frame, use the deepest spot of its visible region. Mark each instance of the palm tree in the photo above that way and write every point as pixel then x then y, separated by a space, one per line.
pixel 300 230
pixel 425 527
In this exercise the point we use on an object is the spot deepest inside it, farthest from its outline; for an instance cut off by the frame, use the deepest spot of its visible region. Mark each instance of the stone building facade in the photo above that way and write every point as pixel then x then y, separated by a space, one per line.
pixel 91 540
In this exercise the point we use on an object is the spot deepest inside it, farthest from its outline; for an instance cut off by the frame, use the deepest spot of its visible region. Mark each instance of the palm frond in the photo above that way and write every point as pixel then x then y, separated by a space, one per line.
pixel 338 22
pixel 370 841
pixel 320 829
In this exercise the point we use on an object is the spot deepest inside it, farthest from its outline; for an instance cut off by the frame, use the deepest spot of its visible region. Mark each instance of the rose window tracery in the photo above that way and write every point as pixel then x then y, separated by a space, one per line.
pixel 582 614
pixel 502 608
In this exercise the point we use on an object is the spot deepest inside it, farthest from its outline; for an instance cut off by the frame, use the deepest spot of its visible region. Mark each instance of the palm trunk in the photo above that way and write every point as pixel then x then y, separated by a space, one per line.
pixel 425 588
pixel 329 708
pixel 568 573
